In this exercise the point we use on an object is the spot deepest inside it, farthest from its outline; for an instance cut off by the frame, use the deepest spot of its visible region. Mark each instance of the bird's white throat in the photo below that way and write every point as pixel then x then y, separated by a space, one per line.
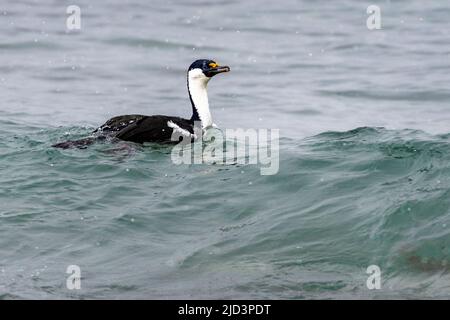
pixel 197 83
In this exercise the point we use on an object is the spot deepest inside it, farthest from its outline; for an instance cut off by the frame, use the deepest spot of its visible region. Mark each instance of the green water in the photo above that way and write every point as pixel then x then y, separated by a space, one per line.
pixel 139 226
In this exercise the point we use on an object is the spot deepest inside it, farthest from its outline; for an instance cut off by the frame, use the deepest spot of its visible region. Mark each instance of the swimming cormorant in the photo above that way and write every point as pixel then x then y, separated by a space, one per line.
pixel 159 128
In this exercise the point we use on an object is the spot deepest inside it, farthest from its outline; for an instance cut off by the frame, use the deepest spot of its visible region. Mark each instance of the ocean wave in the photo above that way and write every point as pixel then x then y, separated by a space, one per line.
pixel 340 202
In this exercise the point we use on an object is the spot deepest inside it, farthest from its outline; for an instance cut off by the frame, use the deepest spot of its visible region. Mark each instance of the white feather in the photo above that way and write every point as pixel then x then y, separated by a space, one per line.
pixel 176 128
pixel 197 83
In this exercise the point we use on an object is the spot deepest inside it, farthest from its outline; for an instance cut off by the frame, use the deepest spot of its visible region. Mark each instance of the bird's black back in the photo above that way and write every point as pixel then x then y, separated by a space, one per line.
pixel 139 128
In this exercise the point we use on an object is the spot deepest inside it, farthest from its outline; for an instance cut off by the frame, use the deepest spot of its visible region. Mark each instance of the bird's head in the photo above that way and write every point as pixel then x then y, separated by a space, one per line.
pixel 199 73
pixel 204 69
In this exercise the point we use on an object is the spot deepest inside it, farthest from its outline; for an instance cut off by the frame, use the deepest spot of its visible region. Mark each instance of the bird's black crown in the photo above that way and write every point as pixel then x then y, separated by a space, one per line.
pixel 201 64
pixel 209 67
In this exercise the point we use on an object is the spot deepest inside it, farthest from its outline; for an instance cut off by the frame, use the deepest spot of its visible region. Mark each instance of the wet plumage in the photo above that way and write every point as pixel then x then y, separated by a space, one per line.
pixel 161 128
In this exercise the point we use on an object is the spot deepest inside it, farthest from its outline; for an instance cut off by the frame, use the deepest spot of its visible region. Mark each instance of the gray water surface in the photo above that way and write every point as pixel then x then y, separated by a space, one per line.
pixel 140 227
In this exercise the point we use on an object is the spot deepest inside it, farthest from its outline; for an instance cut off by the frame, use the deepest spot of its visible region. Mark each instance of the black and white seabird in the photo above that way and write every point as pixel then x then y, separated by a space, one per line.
pixel 159 128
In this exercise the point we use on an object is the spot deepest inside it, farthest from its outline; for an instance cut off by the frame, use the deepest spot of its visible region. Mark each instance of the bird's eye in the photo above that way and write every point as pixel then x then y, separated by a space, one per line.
pixel 213 65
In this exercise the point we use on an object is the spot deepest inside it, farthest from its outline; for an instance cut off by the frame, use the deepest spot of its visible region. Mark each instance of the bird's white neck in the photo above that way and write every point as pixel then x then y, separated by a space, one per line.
pixel 197 83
